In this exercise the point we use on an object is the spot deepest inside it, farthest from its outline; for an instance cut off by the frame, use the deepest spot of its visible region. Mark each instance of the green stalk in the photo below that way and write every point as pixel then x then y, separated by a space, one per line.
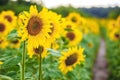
pixel 40 67
pixel 23 62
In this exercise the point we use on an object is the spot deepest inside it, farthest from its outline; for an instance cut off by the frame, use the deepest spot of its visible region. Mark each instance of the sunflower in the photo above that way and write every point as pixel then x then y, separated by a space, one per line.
pixel 3 43
pixel 55 27
pixel 41 49
pixel 114 35
pixel 90 45
pixel 10 17
pixel 1 62
pixel 34 26
pixel 74 36
pixel 111 25
pixel 4 27
pixel 15 43
pixel 68 24
pixel 76 18
pixel 84 29
pixel 70 59
pixel 93 26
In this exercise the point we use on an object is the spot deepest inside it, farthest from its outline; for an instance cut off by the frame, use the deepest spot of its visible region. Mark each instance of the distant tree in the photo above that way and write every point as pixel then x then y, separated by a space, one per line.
pixel 114 13
pixel 3 2
pixel 20 1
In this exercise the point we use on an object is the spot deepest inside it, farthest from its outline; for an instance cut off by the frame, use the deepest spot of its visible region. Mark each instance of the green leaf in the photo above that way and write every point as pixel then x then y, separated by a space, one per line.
pixel 12 35
pixel 11 62
pixel 54 53
pixel 3 77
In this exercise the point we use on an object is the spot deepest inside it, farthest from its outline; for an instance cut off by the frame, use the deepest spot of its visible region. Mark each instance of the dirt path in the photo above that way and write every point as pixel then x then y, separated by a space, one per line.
pixel 100 67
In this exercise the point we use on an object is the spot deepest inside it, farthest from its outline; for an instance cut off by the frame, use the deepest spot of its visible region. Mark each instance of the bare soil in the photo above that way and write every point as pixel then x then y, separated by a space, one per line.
pixel 100 67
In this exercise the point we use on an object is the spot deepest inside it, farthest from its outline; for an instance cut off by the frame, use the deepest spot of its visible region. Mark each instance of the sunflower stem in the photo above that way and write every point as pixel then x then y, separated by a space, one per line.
pixel 23 62
pixel 40 67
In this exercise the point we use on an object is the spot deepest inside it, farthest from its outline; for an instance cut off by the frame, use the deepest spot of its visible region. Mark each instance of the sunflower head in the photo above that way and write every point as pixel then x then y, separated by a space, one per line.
pixel 40 50
pixel 74 37
pixel 111 25
pixel 34 26
pixel 114 34
pixel 76 18
pixel 10 17
pixel 14 43
pixel 67 24
pixel 70 59
pixel 55 27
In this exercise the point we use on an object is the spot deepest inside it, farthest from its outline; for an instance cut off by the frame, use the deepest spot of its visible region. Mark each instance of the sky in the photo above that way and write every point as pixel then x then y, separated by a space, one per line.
pixel 81 3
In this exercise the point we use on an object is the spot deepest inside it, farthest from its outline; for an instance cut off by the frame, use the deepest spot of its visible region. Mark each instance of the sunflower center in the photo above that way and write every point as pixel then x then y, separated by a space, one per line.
pixel 52 29
pixel 71 59
pixel 39 50
pixel 2 27
pixel 15 41
pixel 74 19
pixel 34 26
pixel 117 35
pixel 70 36
pixel 8 18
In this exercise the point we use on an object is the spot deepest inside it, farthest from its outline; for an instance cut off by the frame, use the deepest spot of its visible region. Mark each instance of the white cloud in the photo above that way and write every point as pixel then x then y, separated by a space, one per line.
pixel 81 3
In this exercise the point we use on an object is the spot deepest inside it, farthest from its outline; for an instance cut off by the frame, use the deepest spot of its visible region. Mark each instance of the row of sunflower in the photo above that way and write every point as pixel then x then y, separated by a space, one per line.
pixel 113 47
pixel 53 45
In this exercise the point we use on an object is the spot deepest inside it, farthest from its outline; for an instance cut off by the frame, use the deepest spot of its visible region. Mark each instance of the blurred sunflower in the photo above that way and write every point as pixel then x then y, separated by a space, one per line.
pixel 74 17
pixel 70 59
pixel 10 17
pixel 114 34
pixel 90 45
pixel 3 43
pixel 1 62
pixel 4 27
pixel 73 36
pixel 34 26
pixel 93 26
pixel 41 49
pixel 15 43
pixel 111 25
pixel 84 29
pixel 55 27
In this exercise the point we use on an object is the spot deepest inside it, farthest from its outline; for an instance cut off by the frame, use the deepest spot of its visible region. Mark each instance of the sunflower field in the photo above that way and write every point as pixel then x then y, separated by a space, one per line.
pixel 37 43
